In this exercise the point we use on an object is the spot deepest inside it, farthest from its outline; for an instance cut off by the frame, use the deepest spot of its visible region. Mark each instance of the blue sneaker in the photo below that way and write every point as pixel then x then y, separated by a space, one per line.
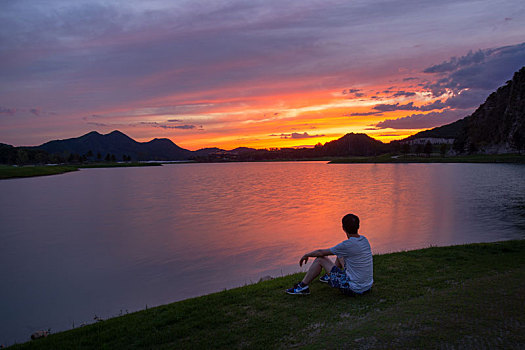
pixel 299 289
pixel 324 278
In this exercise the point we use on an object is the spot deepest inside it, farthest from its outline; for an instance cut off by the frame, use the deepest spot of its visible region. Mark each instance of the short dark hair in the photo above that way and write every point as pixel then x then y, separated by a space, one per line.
pixel 350 223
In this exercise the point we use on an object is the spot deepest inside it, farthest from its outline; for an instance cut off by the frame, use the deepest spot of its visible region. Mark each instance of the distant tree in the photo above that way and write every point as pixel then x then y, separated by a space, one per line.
pixel 459 146
pixel 395 147
pixel 74 158
pixel 472 148
pixel 99 156
pixel 113 158
pixel 89 154
pixel 419 149
pixel 428 148
pixel 443 149
pixel 41 157
pixel 405 148
pixel 108 157
pixel 55 159
pixel 518 141
pixel 21 157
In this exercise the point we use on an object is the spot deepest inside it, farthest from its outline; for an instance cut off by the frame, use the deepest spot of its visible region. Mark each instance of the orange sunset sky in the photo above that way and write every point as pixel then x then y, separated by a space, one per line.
pixel 256 74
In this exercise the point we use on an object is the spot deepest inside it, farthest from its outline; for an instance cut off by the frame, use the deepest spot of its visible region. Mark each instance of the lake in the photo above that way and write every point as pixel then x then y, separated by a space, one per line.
pixel 109 241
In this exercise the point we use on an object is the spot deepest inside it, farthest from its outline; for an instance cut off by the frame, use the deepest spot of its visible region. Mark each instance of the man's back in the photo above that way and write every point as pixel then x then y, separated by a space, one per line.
pixel 358 259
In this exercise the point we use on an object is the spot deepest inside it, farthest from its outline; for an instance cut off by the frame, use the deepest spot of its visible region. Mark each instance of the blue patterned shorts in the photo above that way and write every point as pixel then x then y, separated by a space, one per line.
pixel 339 279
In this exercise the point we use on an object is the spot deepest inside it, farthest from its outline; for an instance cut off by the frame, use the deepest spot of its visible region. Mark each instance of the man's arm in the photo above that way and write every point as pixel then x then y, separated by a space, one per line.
pixel 315 253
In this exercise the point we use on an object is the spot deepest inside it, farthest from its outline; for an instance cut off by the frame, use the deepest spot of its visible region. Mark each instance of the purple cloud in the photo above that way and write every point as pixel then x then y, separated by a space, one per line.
pixel 396 107
pixel 474 76
pixel 183 127
pixel 363 114
pixel 296 135
pixel 404 94
pixel 7 111
pixel 423 121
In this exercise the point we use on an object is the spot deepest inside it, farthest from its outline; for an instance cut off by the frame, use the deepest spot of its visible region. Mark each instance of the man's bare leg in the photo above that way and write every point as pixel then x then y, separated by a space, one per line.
pixel 319 263
pixel 340 263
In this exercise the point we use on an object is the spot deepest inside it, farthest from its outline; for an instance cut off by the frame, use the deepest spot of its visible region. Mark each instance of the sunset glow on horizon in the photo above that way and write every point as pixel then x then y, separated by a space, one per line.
pixel 229 74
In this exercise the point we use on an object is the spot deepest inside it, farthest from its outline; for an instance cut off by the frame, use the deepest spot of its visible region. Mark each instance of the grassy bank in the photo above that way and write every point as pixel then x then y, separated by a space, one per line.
pixel 475 158
pixel 7 172
pixel 469 296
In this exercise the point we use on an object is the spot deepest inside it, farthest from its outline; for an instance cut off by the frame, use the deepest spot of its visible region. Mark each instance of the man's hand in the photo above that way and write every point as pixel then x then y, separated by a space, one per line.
pixel 304 258
pixel 315 253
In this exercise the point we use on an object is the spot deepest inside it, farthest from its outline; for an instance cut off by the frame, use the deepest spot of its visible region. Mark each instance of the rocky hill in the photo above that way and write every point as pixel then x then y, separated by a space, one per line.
pixel 497 126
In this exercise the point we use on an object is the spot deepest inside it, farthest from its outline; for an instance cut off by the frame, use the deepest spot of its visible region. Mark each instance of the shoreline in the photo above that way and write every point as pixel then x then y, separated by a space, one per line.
pixel 10 171
pixel 14 172
pixel 416 299
pixel 475 158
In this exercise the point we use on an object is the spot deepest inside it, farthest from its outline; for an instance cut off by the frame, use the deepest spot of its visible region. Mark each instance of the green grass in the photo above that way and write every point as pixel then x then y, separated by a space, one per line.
pixel 469 296
pixel 7 172
pixel 475 158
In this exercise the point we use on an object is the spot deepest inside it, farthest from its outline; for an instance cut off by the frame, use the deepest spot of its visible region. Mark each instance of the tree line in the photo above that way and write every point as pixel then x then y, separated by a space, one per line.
pixel 34 156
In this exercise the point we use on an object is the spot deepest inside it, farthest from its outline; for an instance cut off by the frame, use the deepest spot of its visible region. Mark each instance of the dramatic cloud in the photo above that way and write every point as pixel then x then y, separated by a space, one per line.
pixel 364 114
pixel 423 121
pixel 353 93
pixel 396 107
pixel 183 127
pixel 468 80
pixel 7 111
pixel 471 78
pixel 438 104
pixel 404 93
pixel 164 126
pixel 296 135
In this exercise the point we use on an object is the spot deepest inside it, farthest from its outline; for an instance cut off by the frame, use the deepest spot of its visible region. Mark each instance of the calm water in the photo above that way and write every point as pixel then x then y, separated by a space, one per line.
pixel 99 241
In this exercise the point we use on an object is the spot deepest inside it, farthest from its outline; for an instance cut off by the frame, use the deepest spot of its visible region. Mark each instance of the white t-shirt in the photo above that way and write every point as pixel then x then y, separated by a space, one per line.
pixel 359 265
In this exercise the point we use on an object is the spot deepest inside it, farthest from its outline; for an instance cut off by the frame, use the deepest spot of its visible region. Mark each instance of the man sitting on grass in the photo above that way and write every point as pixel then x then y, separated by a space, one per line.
pixel 352 271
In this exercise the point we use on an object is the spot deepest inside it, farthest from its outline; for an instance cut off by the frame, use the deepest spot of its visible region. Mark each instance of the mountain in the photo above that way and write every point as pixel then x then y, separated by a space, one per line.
pixel 240 150
pixel 352 145
pixel 448 131
pixel 204 152
pixel 497 126
pixel 118 144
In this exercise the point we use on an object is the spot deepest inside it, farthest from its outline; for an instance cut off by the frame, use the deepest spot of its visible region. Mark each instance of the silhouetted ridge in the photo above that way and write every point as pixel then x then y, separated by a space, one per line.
pixel 497 125
pixel 353 145
pixel 118 144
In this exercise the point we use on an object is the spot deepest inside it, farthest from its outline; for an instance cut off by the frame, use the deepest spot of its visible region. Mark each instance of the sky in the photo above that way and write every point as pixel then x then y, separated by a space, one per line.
pixel 250 73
